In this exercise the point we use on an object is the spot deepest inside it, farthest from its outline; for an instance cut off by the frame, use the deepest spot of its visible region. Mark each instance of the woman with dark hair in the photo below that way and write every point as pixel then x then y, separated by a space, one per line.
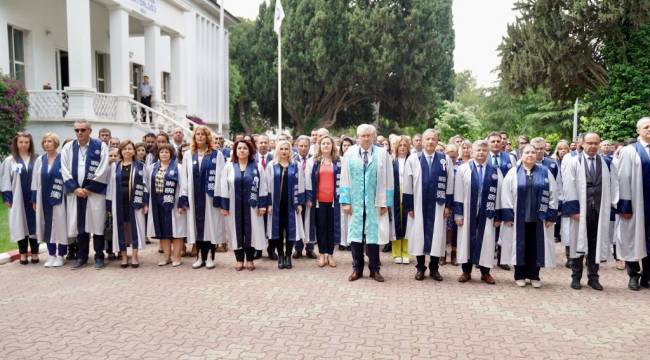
pixel 203 166
pixel 286 198
pixel 346 142
pixel 49 204
pixel 17 195
pixel 243 201
pixel 127 199
pixel 167 220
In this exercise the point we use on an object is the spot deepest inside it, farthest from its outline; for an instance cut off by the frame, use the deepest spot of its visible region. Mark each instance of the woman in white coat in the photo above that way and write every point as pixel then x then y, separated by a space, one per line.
pixel 47 186
pixel 529 199
pixel 17 195
pixel 127 199
pixel 167 218
pixel 243 201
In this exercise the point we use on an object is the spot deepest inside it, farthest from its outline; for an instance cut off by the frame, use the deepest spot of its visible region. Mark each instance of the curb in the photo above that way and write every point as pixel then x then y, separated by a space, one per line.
pixel 14 255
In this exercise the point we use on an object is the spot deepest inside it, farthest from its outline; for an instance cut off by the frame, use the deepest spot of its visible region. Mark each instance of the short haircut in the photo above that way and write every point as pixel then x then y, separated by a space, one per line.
pixel 432 131
pixel 104 131
pixel 148 135
pixel 123 145
pixel 480 143
pixel 366 128
pixel 51 136
pixel 168 147
pixel 493 134
pixel 642 121
pixel 303 138
pixel 538 140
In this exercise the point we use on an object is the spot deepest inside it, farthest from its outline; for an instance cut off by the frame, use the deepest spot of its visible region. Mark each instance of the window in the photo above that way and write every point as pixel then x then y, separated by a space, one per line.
pixel 16 54
pixel 101 66
pixel 165 86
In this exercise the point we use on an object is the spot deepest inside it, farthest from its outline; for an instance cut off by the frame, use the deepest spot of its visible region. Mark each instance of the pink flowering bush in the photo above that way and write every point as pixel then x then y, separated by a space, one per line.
pixel 14 106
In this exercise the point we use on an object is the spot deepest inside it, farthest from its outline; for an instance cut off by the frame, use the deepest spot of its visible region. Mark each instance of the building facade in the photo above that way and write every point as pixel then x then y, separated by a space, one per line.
pixel 85 59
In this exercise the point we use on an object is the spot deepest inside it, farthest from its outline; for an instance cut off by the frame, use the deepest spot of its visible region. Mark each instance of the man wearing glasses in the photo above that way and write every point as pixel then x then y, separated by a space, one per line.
pixel 85 170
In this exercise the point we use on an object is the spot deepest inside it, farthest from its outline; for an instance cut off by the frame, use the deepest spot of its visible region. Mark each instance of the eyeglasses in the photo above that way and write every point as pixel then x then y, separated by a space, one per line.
pixel 80 130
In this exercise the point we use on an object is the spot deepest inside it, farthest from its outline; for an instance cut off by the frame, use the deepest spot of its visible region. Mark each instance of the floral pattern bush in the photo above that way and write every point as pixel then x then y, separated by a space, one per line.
pixel 14 106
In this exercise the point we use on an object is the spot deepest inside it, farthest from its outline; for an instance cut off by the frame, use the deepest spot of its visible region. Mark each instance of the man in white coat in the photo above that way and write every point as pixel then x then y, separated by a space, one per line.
pixel 428 196
pixel 476 212
pixel 590 190
pixel 85 170
pixel 634 206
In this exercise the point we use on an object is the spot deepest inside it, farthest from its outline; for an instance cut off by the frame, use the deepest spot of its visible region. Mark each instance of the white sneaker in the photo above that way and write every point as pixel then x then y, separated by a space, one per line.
pixel 49 262
pixel 406 260
pixel 537 284
pixel 397 260
pixel 197 264
pixel 520 283
pixel 209 263
pixel 59 261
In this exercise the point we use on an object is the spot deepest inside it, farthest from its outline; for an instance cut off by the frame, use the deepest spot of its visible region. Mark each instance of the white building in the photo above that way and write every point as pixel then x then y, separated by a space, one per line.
pixel 94 53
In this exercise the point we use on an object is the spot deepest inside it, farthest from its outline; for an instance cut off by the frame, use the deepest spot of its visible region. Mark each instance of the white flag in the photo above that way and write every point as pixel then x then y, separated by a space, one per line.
pixel 279 15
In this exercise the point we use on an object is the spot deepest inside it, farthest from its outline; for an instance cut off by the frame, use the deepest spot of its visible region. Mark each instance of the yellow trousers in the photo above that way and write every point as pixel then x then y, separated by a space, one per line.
pixel 401 249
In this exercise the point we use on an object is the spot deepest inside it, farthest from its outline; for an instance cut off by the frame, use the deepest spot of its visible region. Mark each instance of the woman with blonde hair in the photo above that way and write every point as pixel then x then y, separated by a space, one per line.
pixel 465 151
pixel 401 151
pixel 286 188
pixel 47 184
pixel 322 188
pixel 203 166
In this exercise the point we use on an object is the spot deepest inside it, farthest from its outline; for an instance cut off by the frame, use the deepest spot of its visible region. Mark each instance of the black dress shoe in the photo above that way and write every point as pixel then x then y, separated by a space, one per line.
pixel 387 248
pixel 575 284
pixel 419 276
pixel 273 256
pixel 297 255
pixel 644 283
pixel 147 241
pixel 505 267
pixel 111 256
pixel 435 275
pixel 311 255
pixel 287 263
pixel 34 261
pixel 567 264
pixel 633 284
pixel 281 262
pixel 24 262
pixel 124 266
pixel 99 264
pixel 135 266
pixel 341 247
pixel 78 264
pixel 595 284
pixel 258 254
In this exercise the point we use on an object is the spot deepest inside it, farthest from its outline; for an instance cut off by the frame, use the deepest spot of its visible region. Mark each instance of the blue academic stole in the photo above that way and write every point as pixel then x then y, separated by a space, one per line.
pixel 645 171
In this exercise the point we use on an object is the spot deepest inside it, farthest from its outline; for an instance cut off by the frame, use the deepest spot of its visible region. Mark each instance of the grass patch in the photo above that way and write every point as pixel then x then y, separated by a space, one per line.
pixel 5 243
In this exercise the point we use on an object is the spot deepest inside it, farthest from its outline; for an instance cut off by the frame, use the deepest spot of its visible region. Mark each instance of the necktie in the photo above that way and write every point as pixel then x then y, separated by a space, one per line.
pixel 264 162
pixel 495 160
pixel 429 160
pixel 304 162
pixel 365 159
pixel 592 168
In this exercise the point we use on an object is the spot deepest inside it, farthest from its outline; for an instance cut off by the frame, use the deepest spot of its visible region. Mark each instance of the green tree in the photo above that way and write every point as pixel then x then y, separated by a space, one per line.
pixel 14 104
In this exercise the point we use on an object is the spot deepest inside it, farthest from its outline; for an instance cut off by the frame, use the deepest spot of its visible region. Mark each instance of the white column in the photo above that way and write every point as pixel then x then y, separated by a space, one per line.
pixel 4 44
pixel 151 62
pixel 178 66
pixel 119 47
pixel 81 91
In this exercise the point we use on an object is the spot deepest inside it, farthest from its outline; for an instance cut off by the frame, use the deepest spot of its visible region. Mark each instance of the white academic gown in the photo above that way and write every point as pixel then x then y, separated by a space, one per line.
pixel 140 219
pixel 229 192
pixel 462 195
pixel 11 182
pixel 179 220
pixel 575 190
pixel 508 238
pixel 214 222
pixel 58 232
pixel 415 226
pixel 96 202
pixel 631 182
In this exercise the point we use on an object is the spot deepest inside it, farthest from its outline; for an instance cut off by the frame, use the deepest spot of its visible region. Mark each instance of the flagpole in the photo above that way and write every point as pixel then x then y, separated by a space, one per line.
pixel 279 82
pixel 220 71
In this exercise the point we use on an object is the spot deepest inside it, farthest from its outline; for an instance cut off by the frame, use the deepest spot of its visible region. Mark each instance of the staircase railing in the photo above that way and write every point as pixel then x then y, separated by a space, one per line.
pixel 155 120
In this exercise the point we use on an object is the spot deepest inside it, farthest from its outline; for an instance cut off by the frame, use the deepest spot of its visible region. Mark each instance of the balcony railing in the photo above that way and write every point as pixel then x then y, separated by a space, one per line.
pixel 48 104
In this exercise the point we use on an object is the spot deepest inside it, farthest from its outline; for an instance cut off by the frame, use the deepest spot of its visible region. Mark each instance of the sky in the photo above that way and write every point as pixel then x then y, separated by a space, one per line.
pixel 479 27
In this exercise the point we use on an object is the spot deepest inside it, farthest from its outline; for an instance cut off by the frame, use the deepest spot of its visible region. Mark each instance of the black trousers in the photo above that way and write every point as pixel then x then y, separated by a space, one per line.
pixel 577 264
pixel 421 266
pixel 284 236
pixel 358 261
pixel 247 252
pixel 205 248
pixel 529 270
pixel 83 241
pixel 324 228
pixel 32 242
pixel 467 268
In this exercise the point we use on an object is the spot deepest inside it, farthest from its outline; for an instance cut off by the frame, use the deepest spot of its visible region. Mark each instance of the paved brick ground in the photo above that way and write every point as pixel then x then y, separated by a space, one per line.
pixel 308 312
